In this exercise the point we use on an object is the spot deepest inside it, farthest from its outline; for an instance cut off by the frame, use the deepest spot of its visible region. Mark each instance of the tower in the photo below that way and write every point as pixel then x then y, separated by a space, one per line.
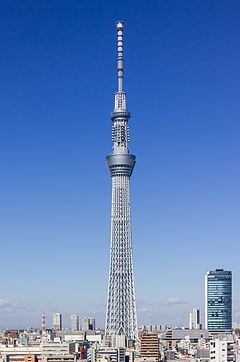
pixel 85 324
pixel 88 324
pixel 218 301
pixel 194 319
pixel 43 323
pixel 121 318
pixel 92 324
pixel 57 321
pixel 74 320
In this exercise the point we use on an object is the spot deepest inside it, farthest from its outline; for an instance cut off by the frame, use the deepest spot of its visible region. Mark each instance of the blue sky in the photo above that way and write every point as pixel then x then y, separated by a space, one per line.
pixel 58 78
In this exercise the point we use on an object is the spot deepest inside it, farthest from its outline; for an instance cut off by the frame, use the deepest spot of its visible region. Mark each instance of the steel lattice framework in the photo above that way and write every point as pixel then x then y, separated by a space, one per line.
pixel 121 318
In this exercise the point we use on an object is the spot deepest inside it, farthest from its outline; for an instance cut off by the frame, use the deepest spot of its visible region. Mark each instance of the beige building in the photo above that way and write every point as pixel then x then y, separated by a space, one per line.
pixel 150 346
pixel 30 358
pixel 20 354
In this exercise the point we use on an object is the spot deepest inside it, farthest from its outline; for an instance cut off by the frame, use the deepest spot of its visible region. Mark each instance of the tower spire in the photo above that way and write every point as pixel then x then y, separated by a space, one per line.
pixel 120 54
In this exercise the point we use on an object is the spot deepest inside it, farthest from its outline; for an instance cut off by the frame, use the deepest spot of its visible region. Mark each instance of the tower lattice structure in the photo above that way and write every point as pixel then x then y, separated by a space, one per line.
pixel 121 317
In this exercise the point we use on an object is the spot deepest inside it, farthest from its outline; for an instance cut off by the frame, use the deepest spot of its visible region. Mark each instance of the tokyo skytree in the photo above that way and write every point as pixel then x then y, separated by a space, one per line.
pixel 121 318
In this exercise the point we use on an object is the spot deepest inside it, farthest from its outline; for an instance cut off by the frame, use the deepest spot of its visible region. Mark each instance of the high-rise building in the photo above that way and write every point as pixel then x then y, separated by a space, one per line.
pixel 121 318
pixel 74 319
pixel 88 324
pixel 194 319
pixel 150 346
pixel 92 324
pixel 218 301
pixel 57 321
pixel 85 324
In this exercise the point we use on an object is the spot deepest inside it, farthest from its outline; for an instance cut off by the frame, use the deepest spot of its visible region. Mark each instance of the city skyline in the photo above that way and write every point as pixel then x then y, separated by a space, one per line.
pixel 57 79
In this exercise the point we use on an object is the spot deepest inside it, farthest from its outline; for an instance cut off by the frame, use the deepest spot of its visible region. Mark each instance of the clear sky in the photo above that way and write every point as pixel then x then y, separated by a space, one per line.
pixel 57 82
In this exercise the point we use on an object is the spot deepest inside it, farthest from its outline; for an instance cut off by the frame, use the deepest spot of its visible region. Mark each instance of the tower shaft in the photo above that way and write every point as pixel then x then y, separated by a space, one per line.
pixel 121 316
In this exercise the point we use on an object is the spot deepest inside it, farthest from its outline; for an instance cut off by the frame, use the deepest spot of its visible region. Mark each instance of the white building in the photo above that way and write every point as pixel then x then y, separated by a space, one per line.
pixel 58 352
pixel 74 319
pixel 88 324
pixel 194 319
pixel 17 354
pixel 185 344
pixel 55 348
pixel 91 354
pixel 93 338
pixel 111 354
pixel 57 321
pixel 222 350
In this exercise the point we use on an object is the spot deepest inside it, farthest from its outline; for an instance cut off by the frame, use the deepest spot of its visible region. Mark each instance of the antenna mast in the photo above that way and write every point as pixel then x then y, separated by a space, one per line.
pixel 120 54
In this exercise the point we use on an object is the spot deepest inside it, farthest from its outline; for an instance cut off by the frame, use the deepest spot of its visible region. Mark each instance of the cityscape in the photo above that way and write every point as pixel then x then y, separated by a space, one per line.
pixel 216 340
pixel 212 330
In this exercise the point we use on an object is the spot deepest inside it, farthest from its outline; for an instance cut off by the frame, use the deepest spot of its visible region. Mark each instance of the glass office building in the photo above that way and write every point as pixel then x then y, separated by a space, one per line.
pixel 218 301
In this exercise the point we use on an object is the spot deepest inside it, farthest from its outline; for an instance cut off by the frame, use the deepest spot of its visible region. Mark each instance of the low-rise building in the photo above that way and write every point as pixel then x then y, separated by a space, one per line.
pixel 111 354
pixel 222 350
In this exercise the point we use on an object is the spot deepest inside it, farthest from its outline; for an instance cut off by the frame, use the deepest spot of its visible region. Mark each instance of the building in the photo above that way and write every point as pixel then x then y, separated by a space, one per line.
pixel 91 354
pixel 85 324
pixel 57 321
pixel 222 350
pixel 88 324
pixel 92 324
pixel 150 346
pixel 111 354
pixel 59 358
pixel 74 319
pixel 13 353
pixel 57 348
pixel 203 353
pixel 171 337
pixel 194 319
pixel 30 358
pixel 71 336
pixel 58 352
pixel 218 301
pixel 121 318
